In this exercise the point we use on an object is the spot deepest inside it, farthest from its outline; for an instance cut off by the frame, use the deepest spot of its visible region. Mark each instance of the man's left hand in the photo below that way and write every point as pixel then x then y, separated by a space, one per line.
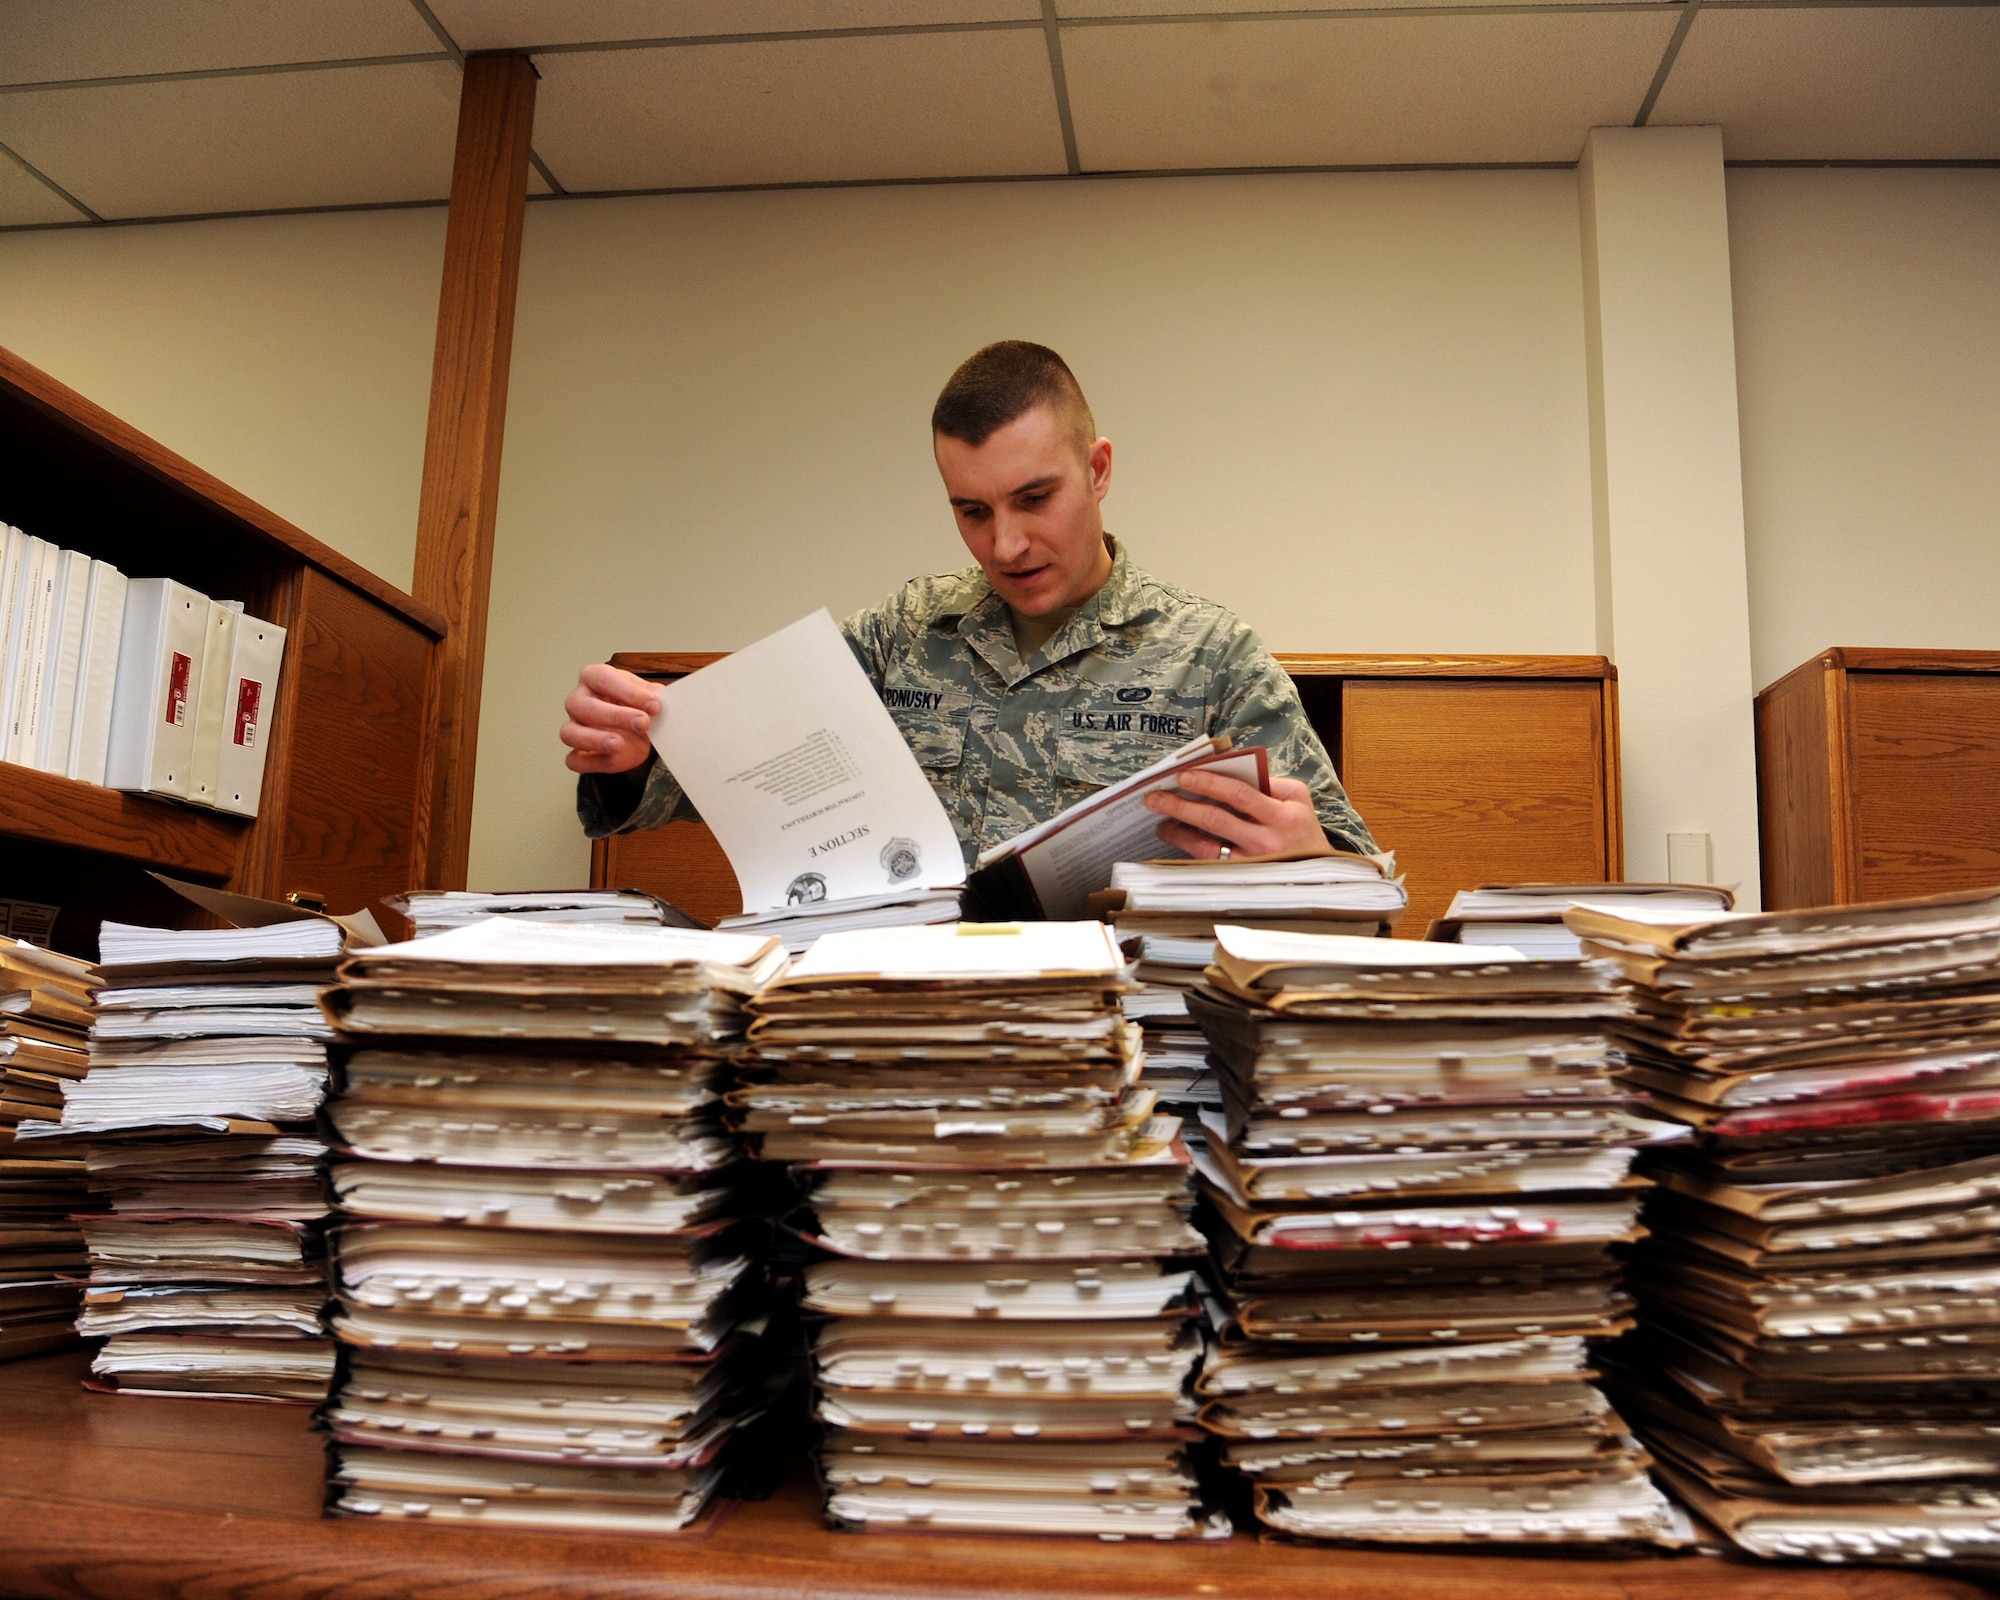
pixel 1209 811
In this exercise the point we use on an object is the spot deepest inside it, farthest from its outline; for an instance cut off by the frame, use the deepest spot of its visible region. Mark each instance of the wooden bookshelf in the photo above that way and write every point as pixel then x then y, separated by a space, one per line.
pixel 1878 776
pixel 345 791
pixel 1473 769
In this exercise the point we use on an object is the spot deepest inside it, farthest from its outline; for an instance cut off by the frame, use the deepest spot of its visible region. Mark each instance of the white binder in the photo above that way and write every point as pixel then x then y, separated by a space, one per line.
pixel 97 673
pixel 159 687
pixel 26 636
pixel 13 546
pixel 251 704
pixel 57 703
pixel 215 701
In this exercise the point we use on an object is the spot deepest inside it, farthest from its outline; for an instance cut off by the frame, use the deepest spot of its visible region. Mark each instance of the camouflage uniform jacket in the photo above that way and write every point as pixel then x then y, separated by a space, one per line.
pixel 1141 668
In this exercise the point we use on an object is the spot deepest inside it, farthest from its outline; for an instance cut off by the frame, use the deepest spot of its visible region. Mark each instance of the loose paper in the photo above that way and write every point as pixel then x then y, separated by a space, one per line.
pixel 787 752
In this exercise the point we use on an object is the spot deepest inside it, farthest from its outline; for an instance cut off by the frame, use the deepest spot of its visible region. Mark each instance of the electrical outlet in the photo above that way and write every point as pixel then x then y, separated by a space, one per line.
pixel 1690 858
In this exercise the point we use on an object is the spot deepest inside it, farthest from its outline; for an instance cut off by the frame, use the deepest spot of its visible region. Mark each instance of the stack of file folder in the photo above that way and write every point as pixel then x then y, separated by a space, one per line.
pixel 549 1292
pixel 1528 917
pixel 1176 1068
pixel 802 925
pixel 1005 1333
pixel 1817 1367
pixel 207 1067
pixel 1166 912
pixel 440 910
pixel 45 1014
pixel 1413 1197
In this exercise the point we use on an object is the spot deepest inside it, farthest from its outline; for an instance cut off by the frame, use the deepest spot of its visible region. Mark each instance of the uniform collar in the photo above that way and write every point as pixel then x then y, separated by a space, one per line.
pixel 980 618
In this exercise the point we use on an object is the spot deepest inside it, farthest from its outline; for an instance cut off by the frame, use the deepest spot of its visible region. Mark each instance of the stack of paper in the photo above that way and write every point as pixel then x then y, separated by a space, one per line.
pixel 207 1066
pixel 440 910
pixel 45 1012
pixel 1166 913
pixel 547 1290
pixel 1528 916
pixel 1189 898
pixel 1817 1369
pixel 799 926
pixel 1007 1334
pixel 1413 1195
pixel 1176 1064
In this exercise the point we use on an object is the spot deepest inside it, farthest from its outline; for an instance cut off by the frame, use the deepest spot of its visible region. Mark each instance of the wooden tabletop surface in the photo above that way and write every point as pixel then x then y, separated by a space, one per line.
pixel 107 1497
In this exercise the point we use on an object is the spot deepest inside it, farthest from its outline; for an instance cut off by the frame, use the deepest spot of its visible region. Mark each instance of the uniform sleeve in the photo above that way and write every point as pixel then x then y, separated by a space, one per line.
pixel 1257 703
pixel 605 805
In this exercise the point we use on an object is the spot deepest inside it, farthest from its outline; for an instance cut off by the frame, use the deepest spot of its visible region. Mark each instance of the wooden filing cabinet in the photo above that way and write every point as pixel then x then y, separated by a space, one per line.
pixel 1473 769
pixel 1878 776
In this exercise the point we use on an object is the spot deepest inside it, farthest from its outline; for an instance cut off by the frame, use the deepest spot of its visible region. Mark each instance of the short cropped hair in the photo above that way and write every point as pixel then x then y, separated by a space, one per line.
pixel 994 386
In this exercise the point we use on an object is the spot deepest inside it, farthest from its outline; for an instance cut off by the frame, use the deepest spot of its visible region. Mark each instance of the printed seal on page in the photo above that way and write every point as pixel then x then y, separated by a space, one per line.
pixel 806 889
pixel 901 859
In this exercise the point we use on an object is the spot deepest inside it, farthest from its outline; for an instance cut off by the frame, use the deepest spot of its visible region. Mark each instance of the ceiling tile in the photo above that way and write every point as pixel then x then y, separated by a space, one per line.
pixel 43 41
pixel 1357 90
pixel 516 24
pixel 25 201
pixel 1894 83
pixel 800 111
pixel 348 136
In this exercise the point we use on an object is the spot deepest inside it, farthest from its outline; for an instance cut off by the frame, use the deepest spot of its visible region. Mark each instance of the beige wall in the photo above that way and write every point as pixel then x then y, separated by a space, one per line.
pixel 1868 379
pixel 1350 407
pixel 1353 407
pixel 290 356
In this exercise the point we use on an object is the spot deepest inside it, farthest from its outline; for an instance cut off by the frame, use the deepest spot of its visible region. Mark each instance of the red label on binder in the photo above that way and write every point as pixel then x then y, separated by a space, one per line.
pixel 248 693
pixel 177 690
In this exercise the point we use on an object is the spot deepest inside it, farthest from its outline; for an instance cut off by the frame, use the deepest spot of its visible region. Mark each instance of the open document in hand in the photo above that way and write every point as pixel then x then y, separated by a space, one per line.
pixel 790 757
pixel 1054 868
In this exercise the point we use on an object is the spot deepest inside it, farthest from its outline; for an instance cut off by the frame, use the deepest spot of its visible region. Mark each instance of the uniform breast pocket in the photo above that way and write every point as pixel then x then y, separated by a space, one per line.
pixel 1087 762
pixel 936 738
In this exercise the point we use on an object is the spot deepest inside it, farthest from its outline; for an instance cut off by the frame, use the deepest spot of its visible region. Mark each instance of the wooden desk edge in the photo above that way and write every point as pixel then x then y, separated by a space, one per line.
pixel 122 1498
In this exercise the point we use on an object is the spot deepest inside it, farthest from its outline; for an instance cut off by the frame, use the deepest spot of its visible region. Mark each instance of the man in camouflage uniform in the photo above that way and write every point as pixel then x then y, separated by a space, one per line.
pixel 1050 669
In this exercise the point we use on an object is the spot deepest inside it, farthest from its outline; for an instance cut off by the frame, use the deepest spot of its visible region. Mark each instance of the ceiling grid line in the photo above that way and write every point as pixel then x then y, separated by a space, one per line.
pixel 439 31
pixel 1059 79
pixel 10 154
pixel 1666 66
pixel 686 41
pixel 1120 176
pixel 548 177
pixel 204 74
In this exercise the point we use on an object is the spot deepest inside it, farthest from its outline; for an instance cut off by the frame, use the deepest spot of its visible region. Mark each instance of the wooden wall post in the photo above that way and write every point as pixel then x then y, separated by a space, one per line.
pixel 468 416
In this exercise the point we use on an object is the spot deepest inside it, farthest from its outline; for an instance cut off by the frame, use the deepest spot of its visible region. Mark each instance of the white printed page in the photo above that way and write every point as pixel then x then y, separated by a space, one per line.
pixel 788 754
pixel 1069 865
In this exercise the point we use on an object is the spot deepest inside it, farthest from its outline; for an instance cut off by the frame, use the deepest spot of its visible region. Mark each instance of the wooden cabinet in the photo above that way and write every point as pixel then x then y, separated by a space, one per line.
pixel 1878 775
pixel 343 807
pixel 1473 769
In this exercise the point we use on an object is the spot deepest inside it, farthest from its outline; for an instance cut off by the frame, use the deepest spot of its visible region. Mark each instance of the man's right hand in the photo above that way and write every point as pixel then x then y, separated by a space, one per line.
pixel 611 714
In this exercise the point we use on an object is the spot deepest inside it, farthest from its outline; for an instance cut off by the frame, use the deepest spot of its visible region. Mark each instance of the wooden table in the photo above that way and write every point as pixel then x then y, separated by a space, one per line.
pixel 110 1497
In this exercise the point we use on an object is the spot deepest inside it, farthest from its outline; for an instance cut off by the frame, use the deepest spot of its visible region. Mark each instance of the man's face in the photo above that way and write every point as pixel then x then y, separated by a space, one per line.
pixel 1028 504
